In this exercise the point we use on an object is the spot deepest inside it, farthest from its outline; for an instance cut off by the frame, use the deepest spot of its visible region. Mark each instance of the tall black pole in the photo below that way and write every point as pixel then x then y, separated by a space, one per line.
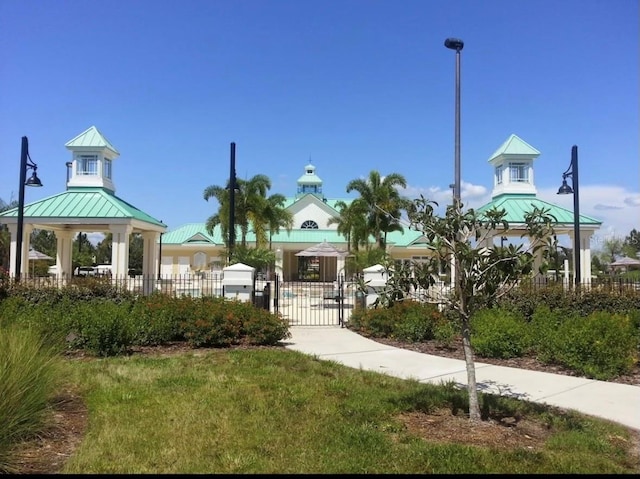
pixel 24 153
pixel 456 188
pixel 576 216
pixel 232 199
pixel 457 45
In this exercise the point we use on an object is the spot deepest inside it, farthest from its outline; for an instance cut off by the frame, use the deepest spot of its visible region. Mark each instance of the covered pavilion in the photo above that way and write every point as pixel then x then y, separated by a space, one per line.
pixel 89 204
pixel 514 191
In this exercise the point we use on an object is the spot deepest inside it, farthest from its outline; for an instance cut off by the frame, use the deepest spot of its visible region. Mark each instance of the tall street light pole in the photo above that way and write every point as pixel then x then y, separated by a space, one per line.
pixel 25 164
pixel 232 200
pixel 457 45
pixel 565 189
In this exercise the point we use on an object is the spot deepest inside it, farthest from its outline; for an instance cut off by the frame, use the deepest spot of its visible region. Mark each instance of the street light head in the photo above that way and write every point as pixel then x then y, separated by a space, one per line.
pixel 33 180
pixel 565 189
pixel 454 44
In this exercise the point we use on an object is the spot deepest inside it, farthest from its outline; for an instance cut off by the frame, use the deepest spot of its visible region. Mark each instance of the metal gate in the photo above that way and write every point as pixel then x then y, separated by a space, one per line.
pixel 306 303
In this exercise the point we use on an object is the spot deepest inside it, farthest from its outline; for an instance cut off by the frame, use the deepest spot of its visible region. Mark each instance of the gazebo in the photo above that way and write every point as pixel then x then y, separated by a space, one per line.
pixel 89 204
pixel 514 191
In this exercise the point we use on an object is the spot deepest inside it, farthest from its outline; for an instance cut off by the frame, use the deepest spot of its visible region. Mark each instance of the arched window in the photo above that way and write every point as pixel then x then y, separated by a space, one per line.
pixel 200 261
pixel 309 225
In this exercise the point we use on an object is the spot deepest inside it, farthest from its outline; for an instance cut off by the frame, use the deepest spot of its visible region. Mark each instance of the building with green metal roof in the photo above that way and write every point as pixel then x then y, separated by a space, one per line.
pixel 514 192
pixel 88 204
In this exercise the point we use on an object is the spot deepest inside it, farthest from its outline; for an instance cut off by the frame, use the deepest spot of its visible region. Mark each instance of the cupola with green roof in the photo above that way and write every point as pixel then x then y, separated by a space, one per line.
pixel 309 183
pixel 513 168
pixel 91 164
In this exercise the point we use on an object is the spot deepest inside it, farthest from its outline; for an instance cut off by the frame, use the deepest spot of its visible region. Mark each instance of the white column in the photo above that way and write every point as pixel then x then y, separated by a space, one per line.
pixel 64 253
pixel 13 253
pixel 150 250
pixel 13 231
pixel 585 256
pixel 120 250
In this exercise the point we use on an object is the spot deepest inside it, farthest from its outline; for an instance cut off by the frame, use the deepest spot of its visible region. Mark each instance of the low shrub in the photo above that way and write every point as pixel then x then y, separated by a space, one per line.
pixel 405 320
pixel 600 346
pixel 499 333
pixel 156 319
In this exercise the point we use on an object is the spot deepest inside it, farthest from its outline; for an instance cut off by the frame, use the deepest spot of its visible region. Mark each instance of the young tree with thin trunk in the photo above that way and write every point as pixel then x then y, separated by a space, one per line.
pixel 485 271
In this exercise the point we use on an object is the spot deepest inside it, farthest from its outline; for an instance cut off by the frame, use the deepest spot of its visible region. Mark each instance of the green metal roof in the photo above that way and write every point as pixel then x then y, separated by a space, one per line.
pixel 517 205
pixel 196 233
pixel 515 146
pixel 90 138
pixel 83 203
pixel 193 233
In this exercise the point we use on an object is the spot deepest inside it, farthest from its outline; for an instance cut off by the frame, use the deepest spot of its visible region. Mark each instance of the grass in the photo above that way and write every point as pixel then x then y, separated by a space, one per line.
pixel 28 382
pixel 271 410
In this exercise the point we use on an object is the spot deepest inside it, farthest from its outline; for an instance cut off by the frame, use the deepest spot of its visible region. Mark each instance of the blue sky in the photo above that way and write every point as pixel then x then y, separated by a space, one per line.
pixel 350 86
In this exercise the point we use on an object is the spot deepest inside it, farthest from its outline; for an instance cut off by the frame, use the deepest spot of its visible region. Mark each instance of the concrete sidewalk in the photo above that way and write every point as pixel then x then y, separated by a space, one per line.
pixel 612 401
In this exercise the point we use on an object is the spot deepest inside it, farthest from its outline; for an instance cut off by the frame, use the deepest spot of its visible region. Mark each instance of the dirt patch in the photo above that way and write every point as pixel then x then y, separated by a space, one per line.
pixel 508 433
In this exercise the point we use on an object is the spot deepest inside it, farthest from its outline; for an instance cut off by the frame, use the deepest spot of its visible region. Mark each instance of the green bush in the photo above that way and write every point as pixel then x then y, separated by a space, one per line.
pixel 264 328
pixel 101 327
pixel 404 320
pixel 600 346
pixel 156 319
pixel 499 333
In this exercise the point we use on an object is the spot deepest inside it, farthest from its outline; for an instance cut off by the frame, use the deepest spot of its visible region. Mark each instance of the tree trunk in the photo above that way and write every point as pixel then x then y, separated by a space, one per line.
pixel 472 386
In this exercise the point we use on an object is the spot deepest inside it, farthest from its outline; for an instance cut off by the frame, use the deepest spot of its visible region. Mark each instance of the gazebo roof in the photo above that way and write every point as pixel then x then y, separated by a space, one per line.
pixel 82 205
pixel 517 206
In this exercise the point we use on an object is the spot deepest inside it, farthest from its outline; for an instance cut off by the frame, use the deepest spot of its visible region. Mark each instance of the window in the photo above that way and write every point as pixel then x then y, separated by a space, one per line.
pixel 106 169
pixel 499 175
pixel 309 225
pixel 519 172
pixel 87 165
pixel 199 261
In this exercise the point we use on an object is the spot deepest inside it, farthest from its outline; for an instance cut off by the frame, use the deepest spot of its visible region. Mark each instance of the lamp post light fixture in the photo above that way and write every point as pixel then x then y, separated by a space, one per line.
pixel 25 164
pixel 457 45
pixel 565 189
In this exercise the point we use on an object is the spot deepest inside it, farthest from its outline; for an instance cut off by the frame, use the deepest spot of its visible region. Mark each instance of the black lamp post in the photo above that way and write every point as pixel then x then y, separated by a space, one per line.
pixel 25 164
pixel 232 200
pixel 565 189
pixel 457 45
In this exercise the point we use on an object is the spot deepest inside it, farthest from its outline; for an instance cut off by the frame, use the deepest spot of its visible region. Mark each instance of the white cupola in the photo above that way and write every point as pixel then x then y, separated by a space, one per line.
pixel 513 168
pixel 91 164
pixel 309 183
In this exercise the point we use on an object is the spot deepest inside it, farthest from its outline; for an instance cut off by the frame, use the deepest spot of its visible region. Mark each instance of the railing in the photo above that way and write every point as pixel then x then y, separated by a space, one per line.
pixel 177 285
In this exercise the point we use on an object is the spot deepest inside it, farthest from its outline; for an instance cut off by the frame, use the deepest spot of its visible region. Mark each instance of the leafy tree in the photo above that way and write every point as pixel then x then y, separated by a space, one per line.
pixel 252 208
pixel 44 241
pixel 259 258
pixel 380 198
pixel 631 245
pixel 611 248
pixel 103 250
pixel 352 223
pixel 484 271
pixel 273 217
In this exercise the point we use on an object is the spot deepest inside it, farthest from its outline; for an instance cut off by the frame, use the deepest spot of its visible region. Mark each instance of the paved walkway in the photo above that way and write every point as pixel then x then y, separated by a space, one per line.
pixel 612 401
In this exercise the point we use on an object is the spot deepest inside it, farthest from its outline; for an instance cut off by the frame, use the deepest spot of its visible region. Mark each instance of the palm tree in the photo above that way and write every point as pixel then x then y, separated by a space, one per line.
pixel 250 200
pixel 352 223
pixel 221 194
pixel 383 203
pixel 276 216
pixel 252 208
